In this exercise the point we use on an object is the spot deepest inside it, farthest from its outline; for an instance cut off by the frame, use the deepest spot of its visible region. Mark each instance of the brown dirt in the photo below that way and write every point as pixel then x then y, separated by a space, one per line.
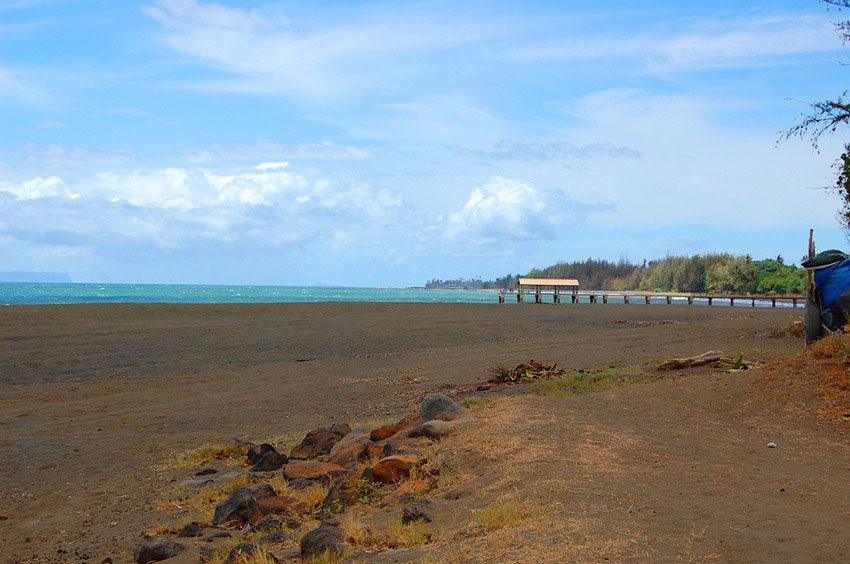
pixel 94 397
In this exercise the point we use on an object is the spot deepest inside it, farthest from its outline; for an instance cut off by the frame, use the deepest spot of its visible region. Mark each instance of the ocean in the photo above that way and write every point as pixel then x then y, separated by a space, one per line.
pixel 22 293
pixel 31 293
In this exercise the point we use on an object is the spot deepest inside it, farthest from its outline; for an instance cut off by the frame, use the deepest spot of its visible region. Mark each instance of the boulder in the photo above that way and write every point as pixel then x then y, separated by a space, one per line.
pixel 190 530
pixel 419 511
pixel 271 461
pixel 343 491
pixel 279 505
pixel 310 469
pixel 319 441
pixel 154 549
pixel 242 504
pixel 393 469
pixel 275 522
pixel 405 445
pixel 325 538
pixel 437 429
pixel 435 404
pixel 384 432
pixel 256 452
pixel 350 449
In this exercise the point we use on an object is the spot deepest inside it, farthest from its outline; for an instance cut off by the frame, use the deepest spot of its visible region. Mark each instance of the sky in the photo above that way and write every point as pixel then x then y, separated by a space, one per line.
pixel 388 143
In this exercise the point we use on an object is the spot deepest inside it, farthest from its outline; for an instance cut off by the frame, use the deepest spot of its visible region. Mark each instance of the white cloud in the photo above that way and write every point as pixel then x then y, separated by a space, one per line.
pixel 272 165
pixel 173 208
pixel 509 209
pixel 38 188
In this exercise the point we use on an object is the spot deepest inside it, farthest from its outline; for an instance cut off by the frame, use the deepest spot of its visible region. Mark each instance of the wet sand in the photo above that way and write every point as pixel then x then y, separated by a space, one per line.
pixel 94 396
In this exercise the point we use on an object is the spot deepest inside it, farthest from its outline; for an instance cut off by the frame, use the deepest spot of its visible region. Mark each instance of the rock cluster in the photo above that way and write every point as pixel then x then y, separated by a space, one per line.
pixel 357 465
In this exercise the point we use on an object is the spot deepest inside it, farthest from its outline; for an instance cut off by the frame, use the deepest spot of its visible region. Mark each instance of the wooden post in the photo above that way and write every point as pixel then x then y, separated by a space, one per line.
pixel 731 300
pixel 709 300
pixel 575 298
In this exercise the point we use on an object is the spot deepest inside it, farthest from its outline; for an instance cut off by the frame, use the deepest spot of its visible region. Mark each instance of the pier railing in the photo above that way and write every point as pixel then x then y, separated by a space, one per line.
pixel 610 296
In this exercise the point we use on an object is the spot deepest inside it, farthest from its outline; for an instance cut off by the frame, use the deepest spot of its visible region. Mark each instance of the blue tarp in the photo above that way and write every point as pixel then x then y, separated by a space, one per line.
pixel 831 281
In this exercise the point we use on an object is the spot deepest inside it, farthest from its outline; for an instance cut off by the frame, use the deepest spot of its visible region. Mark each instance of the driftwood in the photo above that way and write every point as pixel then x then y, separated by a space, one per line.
pixel 700 360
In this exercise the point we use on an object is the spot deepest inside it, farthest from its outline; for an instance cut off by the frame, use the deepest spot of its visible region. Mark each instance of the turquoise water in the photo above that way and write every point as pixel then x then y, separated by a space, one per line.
pixel 15 293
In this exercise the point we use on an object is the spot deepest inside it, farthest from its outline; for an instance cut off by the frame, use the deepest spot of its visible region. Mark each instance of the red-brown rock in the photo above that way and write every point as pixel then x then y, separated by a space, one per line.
pixel 384 432
pixel 319 441
pixel 392 469
pixel 350 449
pixel 310 469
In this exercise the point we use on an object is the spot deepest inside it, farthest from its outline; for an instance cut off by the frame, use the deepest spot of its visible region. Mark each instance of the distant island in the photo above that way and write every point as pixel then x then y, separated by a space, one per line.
pixel 24 276
pixel 700 273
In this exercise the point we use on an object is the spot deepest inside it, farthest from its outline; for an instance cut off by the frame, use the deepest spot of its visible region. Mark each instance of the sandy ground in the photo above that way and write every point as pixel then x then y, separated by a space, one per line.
pixel 95 396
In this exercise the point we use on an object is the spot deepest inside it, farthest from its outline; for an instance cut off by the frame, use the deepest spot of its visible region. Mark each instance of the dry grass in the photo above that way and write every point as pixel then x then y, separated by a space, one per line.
pixel 416 533
pixel 821 370
pixel 507 511
pixel 205 454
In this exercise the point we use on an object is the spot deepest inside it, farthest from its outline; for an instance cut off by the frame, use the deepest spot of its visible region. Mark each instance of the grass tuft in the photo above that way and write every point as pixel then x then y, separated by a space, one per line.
pixel 584 382
pixel 205 454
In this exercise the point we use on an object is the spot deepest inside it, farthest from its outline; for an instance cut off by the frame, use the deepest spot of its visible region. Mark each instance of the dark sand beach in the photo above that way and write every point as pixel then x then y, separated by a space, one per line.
pixel 95 396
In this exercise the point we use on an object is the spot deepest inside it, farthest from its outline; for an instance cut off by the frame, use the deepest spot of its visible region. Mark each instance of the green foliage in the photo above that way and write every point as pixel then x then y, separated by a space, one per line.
pixel 720 272
pixel 584 382
pixel 365 491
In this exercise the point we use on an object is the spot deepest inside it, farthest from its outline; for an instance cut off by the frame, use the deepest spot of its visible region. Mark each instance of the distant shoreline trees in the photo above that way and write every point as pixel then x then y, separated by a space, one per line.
pixel 698 274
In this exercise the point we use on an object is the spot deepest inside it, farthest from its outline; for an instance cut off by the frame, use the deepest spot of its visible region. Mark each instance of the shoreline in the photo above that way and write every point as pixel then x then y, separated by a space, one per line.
pixel 97 395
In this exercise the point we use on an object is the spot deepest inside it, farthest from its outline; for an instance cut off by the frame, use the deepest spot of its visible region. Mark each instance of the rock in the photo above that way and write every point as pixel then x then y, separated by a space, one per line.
pixel 154 549
pixel 350 449
pixel 342 491
pixel 274 522
pixel 243 552
pixel 242 504
pixel 310 469
pixel 384 432
pixel 437 429
pixel 206 472
pixel 392 469
pixel 771 445
pixel 190 530
pixel 279 505
pixel 275 537
pixel 256 452
pixel 419 511
pixel 326 538
pixel 434 404
pixel 407 492
pixel 407 445
pixel 305 484
pixel 319 441
pixel 272 460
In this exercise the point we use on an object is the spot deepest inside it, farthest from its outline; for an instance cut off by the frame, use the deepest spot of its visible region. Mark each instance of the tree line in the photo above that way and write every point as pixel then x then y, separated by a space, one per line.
pixel 720 272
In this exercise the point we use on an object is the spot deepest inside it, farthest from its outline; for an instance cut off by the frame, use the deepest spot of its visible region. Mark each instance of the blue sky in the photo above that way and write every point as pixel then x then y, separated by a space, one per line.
pixel 386 143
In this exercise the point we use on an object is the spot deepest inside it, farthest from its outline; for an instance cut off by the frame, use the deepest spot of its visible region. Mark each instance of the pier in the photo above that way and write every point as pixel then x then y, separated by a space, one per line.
pixel 555 291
